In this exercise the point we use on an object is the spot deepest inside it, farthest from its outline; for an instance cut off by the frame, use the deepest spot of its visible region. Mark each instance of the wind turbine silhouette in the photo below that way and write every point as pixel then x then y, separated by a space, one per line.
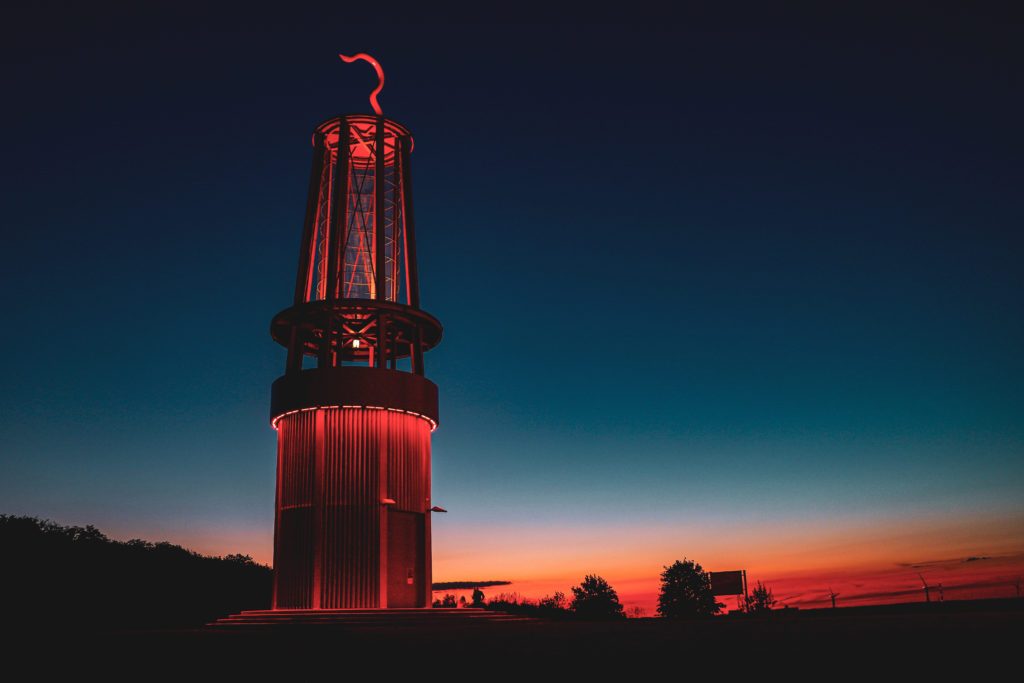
pixel 832 595
pixel 927 589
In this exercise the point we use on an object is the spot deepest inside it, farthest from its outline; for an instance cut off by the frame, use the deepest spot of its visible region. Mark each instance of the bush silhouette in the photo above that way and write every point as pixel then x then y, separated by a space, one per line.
pixel 595 599
pixel 759 601
pixel 552 603
pixel 447 602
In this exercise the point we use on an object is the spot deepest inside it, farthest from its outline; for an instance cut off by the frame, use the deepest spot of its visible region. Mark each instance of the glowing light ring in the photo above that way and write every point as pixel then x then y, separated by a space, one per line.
pixel 433 424
pixel 380 77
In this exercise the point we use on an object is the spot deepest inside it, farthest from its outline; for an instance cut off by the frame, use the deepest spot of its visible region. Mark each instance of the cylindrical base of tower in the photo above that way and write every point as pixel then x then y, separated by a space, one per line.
pixel 352 527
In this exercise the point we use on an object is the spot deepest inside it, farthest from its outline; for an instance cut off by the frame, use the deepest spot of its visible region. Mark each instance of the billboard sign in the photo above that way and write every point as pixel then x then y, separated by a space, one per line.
pixel 728 583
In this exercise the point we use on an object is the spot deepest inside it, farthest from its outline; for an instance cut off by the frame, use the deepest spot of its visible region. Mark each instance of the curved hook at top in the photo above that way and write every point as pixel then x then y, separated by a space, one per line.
pixel 380 77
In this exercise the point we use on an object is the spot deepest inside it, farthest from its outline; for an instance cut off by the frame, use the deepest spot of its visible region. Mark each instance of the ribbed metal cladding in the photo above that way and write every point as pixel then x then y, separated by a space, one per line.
pixel 408 463
pixel 296 471
pixel 354 441
pixel 335 467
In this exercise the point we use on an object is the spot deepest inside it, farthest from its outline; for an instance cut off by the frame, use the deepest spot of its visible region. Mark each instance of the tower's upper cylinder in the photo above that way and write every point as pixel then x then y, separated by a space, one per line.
pixel 357 290
pixel 358 243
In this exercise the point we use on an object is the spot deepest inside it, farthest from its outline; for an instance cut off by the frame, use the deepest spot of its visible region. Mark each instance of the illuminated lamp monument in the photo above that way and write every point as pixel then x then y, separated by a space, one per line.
pixel 353 410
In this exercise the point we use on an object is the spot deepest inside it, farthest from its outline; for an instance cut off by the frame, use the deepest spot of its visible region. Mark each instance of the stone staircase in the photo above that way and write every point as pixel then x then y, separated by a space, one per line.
pixel 364 618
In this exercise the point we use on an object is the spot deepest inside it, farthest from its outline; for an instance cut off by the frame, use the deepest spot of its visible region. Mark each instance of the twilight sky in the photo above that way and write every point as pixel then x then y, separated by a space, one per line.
pixel 745 289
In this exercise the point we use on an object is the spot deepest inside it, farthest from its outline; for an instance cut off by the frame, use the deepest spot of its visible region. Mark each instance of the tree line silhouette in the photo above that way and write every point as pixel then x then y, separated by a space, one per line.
pixel 71 575
pixel 685 593
pixel 67 576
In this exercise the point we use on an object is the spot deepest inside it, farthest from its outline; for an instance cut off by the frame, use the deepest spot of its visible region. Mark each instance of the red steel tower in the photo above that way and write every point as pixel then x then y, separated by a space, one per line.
pixel 353 411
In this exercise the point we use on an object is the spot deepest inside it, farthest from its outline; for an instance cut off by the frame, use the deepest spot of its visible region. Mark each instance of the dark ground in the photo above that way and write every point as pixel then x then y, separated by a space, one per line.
pixel 975 637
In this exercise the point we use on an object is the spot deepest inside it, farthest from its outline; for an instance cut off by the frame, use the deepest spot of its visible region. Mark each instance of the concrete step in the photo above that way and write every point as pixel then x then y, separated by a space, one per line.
pixel 365 618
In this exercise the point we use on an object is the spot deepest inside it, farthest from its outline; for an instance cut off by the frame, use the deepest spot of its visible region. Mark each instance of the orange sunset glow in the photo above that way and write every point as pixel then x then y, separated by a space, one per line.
pixel 865 563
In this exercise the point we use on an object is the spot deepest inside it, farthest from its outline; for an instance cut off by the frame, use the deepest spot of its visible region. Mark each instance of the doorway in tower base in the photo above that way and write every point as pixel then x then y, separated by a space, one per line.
pixel 406 559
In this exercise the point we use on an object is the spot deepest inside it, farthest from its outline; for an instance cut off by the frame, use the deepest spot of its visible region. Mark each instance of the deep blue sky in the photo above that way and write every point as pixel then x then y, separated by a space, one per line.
pixel 755 266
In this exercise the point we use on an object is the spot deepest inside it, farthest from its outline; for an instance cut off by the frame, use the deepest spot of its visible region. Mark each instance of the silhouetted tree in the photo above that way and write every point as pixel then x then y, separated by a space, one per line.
pixel 760 600
pixel 686 592
pixel 595 599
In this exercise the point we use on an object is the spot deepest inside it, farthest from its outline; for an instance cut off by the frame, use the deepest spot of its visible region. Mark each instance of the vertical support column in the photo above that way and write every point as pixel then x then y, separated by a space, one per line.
pixel 379 190
pixel 428 578
pixel 412 283
pixel 382 493
pixel 339 212
pixel 335 243
pixel 320 441
pixel 308 246
pixel 381 360
pixel 277 519
pixel 417 351
pixel 295 352
pixel 324 359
